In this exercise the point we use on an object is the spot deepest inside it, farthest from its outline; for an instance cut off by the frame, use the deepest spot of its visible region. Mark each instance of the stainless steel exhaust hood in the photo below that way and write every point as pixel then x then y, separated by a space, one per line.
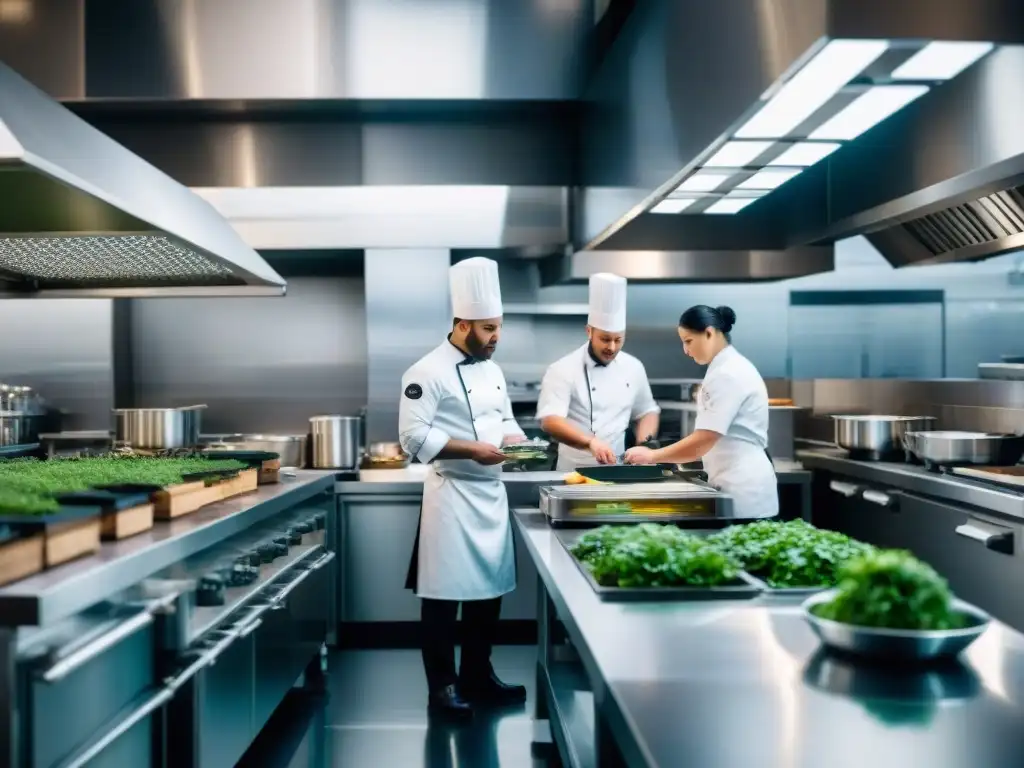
pixel 718 111
pixel 81 216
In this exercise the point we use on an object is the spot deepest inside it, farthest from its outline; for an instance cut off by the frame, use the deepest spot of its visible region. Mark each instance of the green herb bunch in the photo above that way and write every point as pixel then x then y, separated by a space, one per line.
pixel 650 555
pixel 892 589
pixel 792 554
pixel 28 486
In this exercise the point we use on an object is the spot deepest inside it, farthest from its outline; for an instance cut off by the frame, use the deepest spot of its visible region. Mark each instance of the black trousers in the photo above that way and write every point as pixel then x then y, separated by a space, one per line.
pixel 439 622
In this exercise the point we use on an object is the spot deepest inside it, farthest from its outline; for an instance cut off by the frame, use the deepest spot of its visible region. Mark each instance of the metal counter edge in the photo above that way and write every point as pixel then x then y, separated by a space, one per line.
pixel 916 479
pixel 53 595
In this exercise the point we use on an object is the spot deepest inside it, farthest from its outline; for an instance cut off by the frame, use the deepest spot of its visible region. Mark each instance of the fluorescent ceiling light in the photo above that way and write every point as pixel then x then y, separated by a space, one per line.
pixel 704 182
pixel 770 178
pixel 941 60
pixel 737 154
pixel 807 91
pixel 673 205
pixel 730 204
pixel 805 153
pixel 868 110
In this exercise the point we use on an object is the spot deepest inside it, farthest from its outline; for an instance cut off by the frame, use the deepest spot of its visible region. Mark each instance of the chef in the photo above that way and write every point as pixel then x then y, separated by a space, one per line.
pixel 731 430
pixel 589 398
pixel 455 415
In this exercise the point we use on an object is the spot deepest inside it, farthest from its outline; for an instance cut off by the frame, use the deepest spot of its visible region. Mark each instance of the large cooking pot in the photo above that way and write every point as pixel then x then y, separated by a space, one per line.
pixel 336 441
pixel 879 435
pixel 964 448
pixel 155 429
pixel 291 448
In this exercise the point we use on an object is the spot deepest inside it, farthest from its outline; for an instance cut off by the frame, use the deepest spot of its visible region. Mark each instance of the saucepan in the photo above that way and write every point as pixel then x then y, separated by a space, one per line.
pixel 965 448
pixel 878 435
pixel 156 429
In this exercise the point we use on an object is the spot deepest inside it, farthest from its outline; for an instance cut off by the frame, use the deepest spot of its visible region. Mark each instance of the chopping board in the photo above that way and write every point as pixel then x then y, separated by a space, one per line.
pixel 1008 475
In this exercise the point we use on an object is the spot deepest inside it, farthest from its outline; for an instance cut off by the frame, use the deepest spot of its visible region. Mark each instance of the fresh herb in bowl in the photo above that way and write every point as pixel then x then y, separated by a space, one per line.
pixel 892 589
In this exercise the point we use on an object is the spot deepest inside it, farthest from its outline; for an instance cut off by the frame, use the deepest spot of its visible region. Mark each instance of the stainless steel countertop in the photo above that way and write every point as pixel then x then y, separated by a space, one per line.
pixel 741 683
pixel 410 480
pixel 61 592
pixel 917 479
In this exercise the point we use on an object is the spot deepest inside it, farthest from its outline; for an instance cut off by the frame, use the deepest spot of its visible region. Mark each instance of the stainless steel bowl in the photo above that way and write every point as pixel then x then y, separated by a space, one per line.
pixel 960 448
pixel 290 448
pixel 896 644
pixel 877 434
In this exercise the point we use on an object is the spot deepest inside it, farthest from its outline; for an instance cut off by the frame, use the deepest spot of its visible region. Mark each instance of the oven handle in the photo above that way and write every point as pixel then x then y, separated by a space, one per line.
pixel 76 659
pixel 849 490
pixel 277 602
pixel 142 711
pixel 994 537
pixel 880 498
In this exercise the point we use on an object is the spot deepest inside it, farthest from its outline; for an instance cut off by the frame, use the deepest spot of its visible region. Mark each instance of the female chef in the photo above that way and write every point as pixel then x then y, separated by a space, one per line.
pixel 731 430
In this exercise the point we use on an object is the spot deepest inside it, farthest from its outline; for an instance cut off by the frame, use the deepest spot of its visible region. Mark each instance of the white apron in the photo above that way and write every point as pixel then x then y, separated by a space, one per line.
pixel 464 548
pixel 742 470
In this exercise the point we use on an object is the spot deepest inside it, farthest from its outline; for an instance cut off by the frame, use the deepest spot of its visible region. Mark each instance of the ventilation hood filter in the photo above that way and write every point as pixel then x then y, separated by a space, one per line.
pixel 82 216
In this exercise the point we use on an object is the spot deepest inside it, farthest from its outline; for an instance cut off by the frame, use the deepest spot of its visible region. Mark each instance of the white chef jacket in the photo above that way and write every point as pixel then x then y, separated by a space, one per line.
pixel 600 399
pixel 733 402
pixel 465 548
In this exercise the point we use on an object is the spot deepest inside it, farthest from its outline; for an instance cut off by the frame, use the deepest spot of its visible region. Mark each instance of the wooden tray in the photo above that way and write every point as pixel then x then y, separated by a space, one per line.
pixel 71 540
pixel 22 556
pixel 270 472
pixel 1007 475
pixel 244 482
pixel 120 524
pixel 177 500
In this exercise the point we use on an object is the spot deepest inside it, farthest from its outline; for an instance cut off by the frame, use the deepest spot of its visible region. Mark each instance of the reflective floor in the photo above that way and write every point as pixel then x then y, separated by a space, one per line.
pixel 374 716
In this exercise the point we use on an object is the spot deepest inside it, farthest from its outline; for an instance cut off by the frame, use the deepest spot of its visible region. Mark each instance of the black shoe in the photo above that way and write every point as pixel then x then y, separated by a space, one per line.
pixel 492 691
pixel 448 703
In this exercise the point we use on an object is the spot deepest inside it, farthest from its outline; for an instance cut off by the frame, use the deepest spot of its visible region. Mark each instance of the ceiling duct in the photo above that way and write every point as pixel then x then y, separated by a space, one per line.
pixel 744 111
pixel 81 216
pixel 718 266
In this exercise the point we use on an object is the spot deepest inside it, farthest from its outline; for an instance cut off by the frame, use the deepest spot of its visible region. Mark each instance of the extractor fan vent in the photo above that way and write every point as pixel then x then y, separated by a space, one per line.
pixel 979 222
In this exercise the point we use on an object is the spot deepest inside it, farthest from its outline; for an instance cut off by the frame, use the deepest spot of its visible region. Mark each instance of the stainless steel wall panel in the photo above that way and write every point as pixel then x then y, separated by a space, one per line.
pixel 407 314
pixel 44 42
pixel 63 348
pixel 363 49
pixel 514 146
pixel 260 364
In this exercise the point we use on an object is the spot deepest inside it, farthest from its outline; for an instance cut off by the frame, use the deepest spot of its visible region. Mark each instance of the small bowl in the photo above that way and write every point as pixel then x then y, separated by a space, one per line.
pixel 901 644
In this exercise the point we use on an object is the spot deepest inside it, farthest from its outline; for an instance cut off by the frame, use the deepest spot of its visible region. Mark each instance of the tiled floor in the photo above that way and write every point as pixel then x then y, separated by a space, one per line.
pixel 374 716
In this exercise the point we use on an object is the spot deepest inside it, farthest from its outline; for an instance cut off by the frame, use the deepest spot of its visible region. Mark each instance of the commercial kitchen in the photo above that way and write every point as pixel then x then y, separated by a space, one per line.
pixel 226 232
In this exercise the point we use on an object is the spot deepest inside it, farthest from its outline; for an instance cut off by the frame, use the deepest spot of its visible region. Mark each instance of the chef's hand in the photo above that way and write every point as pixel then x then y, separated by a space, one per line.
pixel 639 455
pixel 601 451
pixel 487 454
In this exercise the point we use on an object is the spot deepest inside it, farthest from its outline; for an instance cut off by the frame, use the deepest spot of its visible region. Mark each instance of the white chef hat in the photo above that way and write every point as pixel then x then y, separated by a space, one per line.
pixel 607 302
pixel 476 293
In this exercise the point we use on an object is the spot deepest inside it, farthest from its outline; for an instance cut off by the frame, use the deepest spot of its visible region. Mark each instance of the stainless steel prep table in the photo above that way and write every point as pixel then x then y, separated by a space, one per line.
pixel 741 684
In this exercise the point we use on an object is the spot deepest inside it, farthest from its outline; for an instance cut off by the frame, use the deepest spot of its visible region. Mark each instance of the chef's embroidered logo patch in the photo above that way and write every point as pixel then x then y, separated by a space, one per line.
pixel 705 397
pixel 414 391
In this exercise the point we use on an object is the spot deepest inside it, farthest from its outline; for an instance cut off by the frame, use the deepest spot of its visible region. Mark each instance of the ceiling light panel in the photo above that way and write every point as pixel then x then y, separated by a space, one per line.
pixel 868 111
pixel 673 205
pixel 941 60
pixel 737 154
pixel 805 153
pixel 809 89
pixel 704 182
pixel 730 204
pixel 770 178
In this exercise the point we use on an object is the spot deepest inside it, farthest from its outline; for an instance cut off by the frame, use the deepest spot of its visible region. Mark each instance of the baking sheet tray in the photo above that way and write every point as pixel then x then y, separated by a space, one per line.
pixel 744 589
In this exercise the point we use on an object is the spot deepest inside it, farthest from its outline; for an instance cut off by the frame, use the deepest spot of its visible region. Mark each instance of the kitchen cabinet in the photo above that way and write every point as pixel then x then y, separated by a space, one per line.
pixel 982 556
pixel 376 539
pixel 839 506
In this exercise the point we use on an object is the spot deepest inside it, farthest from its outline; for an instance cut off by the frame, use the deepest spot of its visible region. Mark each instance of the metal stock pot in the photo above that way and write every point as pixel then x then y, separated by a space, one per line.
pixel 878 435
pixel 157 429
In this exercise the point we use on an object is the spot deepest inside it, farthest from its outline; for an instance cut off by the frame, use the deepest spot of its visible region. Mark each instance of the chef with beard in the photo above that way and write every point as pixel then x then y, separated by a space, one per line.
pixel 589 398
pixel 455 415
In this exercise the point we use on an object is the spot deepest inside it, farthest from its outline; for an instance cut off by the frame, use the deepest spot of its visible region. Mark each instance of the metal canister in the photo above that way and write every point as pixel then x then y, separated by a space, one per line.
pixel 335 442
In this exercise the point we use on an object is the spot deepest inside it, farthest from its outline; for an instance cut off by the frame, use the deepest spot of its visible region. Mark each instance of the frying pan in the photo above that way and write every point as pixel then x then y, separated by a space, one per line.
pixel 626 473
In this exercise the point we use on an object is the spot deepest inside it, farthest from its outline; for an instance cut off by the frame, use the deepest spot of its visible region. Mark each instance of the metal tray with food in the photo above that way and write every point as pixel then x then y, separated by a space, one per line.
pixel 768 589
pixel 740 588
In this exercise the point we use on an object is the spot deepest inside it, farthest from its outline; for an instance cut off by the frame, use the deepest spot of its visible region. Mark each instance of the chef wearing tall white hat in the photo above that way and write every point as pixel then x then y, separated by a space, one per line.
pixel 455 415
pixel 589 398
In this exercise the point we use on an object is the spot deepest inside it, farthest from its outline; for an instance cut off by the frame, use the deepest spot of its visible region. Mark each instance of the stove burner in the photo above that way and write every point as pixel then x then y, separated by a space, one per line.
pixel 863 454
